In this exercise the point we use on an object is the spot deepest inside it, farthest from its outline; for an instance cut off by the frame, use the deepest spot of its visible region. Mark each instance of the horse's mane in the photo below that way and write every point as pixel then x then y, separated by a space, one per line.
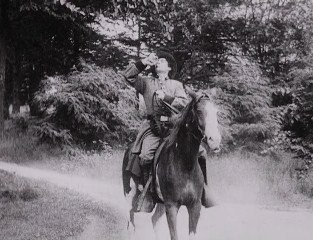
pixel 171 139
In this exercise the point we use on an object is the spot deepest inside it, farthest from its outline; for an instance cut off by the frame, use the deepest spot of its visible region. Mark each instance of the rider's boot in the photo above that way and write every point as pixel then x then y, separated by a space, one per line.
pixel 146 172
pixel 206 199
pixel 145 202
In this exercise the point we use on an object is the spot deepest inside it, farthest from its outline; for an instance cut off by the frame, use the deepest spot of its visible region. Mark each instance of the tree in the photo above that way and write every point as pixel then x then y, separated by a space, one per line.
pixel 47 37
pixel 3 22
pixel 273 32
pixel 88 108
pixel 244 97
pixel 43 38
pixel 298 118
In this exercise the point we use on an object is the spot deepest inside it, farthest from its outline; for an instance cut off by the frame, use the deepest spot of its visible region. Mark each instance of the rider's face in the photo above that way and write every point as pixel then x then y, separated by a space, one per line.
pixel 162 65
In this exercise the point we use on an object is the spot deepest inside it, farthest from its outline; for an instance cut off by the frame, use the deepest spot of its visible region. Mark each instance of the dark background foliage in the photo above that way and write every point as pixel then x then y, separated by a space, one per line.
pixel 258 55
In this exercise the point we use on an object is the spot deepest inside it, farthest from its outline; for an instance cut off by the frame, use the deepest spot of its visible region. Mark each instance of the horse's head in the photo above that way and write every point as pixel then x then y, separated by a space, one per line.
pixel 205 113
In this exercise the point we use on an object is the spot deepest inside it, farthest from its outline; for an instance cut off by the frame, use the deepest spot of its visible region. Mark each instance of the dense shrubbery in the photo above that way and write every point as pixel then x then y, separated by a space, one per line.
pixel 299 115
pixel 258 118
pixel 245 97
pixel 294 114
pixel 88 108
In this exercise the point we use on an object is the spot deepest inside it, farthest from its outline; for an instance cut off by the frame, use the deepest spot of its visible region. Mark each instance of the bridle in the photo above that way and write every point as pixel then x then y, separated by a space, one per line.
pixel 203 97
pixel 164 104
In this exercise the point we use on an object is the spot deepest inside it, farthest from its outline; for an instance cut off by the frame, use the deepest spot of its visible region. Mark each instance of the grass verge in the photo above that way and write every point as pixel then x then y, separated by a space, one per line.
pixel 239 177
pixel 251 179
pixel 30 210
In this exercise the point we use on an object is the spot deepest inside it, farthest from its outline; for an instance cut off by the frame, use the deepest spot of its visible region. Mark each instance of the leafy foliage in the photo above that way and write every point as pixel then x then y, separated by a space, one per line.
pixel 299 118
pixel 294 114
pixel 257 53
pixel 87 108
pixel 245 96
pixel 49 37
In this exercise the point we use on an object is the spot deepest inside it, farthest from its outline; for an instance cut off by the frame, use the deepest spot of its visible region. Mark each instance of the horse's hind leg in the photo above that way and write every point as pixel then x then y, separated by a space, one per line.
pixel 131 224
pixel 159 212
pixel 194 215
pixel 171 214
pixel 131 214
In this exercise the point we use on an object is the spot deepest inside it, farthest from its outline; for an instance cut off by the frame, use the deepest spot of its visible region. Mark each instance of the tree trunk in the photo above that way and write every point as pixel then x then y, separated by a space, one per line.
pixel 2 78
pixel 139 37
pixel 8 79
pixel 76 46
pixel 17 75
pixel 35 77
pixel 3 56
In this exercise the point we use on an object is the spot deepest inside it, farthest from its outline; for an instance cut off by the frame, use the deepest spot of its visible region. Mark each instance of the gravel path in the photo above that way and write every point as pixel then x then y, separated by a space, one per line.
pixel 224 222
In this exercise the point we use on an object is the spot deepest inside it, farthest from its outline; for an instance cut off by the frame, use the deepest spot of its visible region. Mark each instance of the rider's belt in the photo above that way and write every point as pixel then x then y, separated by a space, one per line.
pixel 158 118
pixel 150 117
pixel 164 118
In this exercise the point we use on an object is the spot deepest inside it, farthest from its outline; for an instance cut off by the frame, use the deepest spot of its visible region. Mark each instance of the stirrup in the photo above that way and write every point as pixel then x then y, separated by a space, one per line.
pixel 206 200
pixel 145 202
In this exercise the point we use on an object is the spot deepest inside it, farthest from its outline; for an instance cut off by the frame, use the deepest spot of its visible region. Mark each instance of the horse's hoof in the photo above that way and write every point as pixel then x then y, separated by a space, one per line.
pixel 140 187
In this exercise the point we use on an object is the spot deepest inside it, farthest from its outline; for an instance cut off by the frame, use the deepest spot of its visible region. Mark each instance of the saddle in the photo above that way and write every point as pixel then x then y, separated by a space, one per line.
pixel 156 192
pixel 151 193
pixel 133 166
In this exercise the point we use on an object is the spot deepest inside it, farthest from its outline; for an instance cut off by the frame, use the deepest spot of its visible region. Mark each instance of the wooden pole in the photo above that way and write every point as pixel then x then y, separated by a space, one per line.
pixel 2 66
pixel 139 36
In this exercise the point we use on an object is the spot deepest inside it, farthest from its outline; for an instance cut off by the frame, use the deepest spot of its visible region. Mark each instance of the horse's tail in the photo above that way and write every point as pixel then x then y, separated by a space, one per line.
pixel 125 174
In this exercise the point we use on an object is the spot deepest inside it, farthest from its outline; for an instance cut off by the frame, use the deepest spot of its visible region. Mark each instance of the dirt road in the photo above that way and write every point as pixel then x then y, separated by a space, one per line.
pixel 223 222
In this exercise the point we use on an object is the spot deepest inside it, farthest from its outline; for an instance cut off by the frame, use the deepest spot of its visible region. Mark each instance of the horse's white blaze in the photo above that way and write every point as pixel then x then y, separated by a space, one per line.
pixel 212 132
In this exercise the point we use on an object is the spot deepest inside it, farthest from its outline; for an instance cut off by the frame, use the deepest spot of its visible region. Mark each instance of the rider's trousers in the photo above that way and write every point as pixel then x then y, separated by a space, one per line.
pixel 149 147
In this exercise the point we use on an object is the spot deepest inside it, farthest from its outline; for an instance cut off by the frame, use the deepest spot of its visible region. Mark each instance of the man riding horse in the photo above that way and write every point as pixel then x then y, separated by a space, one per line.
pixel 163 96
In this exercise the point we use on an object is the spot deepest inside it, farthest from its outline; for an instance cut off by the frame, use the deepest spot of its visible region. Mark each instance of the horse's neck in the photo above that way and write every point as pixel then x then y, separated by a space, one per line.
pixel 188 147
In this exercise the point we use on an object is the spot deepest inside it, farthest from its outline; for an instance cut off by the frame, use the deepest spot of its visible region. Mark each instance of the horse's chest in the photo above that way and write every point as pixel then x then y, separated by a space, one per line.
pixel 179 185
pixel 188 192
pixel 189 188
pixel 183 191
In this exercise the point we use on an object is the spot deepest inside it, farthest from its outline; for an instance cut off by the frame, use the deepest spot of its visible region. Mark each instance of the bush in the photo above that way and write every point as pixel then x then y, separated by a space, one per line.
pixel 13 189
pixel 245 99
pixel 294 113
pixel 245 177
pixel 299 114
pixel 88 108
pixel 20 143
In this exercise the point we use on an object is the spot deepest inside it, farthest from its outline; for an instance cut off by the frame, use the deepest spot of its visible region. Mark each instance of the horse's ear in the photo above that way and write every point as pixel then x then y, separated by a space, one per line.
pixel 213 92
pixel 189 91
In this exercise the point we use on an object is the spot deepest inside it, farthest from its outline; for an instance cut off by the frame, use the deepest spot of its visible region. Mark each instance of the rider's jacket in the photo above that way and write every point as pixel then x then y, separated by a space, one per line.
pixel 147 85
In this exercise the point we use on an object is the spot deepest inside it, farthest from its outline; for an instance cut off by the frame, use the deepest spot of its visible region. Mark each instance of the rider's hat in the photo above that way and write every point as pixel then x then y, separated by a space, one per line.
pixel 162 53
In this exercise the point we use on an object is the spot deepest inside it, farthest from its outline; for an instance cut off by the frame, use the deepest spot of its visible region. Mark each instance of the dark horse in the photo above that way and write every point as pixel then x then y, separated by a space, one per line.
pixel 178 174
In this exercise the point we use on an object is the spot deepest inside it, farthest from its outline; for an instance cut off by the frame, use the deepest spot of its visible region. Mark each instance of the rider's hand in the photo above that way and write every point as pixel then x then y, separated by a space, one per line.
pixel 151 60
pixel 160 94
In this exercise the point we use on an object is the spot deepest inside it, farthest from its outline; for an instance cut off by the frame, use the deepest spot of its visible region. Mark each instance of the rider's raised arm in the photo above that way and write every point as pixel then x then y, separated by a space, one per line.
pixel 131 75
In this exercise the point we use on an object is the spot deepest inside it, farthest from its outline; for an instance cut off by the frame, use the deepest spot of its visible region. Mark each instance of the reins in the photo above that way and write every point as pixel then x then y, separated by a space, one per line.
pixel 199 139
pixel 165 104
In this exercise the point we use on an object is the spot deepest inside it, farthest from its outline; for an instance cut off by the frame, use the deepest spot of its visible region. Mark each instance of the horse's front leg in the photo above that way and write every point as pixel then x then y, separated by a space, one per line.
pixel 194 215
pixel 131 224
pixel 171 215
pixel 159 212
pixel 131 227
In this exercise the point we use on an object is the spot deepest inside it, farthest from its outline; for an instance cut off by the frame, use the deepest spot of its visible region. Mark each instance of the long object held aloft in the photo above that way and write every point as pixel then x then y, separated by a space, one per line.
pixel 143 194
pixel 171 108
